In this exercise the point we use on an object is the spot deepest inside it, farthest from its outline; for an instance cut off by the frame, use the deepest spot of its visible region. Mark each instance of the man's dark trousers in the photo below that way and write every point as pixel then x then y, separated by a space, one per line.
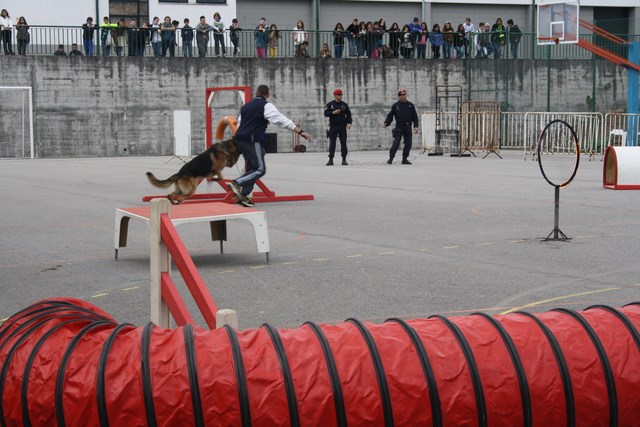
pixel 399 132
pixel 334 133
pixel 253 154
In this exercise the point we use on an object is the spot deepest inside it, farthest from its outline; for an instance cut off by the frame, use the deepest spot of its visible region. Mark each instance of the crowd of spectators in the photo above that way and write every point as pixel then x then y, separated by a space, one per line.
pixel 360 39
pixel 367 39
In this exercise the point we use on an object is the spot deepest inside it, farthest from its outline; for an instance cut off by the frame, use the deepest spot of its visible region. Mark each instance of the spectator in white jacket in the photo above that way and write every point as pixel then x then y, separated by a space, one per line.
pixel 469 29
pixel 7 32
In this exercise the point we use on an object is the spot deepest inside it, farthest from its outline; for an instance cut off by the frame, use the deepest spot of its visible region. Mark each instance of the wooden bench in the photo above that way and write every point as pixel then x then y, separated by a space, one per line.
pixel 215 213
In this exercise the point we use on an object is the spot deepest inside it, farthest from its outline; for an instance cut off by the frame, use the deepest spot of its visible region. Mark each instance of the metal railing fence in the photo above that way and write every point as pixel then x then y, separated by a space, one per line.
pixel 44 40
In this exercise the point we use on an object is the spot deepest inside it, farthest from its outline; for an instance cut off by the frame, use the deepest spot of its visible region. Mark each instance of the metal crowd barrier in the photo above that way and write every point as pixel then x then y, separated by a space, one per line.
pixel 621 129
pixel 492 130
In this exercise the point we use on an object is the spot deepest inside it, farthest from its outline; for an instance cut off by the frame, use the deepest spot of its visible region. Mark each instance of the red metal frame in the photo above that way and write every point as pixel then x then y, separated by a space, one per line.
pixel 264 196
pixel 209 115
pixel 191 276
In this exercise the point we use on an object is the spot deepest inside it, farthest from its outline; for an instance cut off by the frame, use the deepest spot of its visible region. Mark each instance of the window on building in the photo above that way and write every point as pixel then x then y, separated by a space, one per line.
pixel 212 1
pixel 127 9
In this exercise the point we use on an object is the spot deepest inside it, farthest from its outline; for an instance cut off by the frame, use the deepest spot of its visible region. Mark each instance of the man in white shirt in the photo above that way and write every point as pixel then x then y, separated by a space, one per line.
pixel 254 118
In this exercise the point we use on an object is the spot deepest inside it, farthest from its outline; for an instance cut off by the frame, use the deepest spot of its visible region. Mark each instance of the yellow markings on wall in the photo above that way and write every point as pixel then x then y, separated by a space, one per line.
pixel 536 303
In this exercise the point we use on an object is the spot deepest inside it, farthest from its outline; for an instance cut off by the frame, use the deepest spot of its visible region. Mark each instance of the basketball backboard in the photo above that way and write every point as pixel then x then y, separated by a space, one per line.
pixel 558 21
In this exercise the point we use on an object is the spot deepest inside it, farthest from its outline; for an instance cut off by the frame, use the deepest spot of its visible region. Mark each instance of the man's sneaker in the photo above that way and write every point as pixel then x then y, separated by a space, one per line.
pixel 390 161
pixel 246 202
pixel 406 162
pixel 344 162
pixel 236 189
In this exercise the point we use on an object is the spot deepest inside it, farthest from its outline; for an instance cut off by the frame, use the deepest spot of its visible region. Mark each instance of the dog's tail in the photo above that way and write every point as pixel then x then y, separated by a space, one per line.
pixel 162 183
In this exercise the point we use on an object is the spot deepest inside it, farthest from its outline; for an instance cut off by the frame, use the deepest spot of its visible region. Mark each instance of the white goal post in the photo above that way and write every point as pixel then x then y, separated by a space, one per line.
pixel 22 123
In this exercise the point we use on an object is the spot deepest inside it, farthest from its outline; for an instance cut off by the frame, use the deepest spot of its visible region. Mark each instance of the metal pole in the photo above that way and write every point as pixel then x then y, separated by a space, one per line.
pixel 593 83
pixel 633 81
pixel 317 27
pixel 534 30
pixel 556 216
pixel 548 78
pixel 22 120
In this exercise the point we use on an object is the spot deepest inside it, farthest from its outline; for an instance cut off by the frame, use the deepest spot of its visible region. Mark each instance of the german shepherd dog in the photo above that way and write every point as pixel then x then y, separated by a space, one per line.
pixel 208 164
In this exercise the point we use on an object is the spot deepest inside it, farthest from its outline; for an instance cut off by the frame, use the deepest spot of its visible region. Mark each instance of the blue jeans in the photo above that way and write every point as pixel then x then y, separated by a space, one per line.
pixel 157 49
pixel 338 50
pixel 88 47
pixel 497 50
pixel 422 50
pixel 446 50
pixel 106 50
pixel 459 51
pixel 353 48
pixel 360 46
pixel 514 50
pixel 187 49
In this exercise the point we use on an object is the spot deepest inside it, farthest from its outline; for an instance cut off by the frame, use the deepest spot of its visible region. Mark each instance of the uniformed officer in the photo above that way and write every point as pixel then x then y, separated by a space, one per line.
pixel 339 121
pixel 405 114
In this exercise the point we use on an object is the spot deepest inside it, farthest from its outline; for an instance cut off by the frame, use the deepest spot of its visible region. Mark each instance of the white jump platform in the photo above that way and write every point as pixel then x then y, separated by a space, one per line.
pixel 621 168
pixel 216 213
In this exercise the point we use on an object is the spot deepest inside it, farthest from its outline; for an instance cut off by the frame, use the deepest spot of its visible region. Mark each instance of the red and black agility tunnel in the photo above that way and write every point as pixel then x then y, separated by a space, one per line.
pixel 64 362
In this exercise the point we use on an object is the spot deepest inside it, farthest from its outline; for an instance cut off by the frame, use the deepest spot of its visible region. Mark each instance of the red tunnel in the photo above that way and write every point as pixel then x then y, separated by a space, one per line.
pixel 65 362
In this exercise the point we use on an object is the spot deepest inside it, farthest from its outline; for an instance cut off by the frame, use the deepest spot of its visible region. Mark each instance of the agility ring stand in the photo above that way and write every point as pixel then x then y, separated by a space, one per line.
pixel 264 196
pixel 558 235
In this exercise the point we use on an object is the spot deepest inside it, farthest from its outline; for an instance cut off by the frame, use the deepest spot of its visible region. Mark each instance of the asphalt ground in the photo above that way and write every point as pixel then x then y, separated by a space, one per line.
pixel 442 236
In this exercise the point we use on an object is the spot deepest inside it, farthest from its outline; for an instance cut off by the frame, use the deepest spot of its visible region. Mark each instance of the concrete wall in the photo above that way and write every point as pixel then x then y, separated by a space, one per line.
pixel 122 106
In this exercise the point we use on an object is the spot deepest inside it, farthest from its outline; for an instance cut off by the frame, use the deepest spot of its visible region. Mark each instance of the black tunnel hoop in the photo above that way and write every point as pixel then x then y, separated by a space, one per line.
pixel 29 327
pixel 294 417
pixel 334 377
pixel 427 370
pixel 192 368
pixel 241 377
pixel 146 376
pixel 101 380
pixel 570 405
pixel 604 361
pixel 577 144
pixel 481 405
pixel 623 318
pixel 62 369
pixel 26 418
pixel 525 395
pixel 379 370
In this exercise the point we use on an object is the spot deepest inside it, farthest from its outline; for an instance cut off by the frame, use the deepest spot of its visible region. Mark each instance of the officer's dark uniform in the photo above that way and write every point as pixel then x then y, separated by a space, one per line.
pixel 405 114
pixel 338 128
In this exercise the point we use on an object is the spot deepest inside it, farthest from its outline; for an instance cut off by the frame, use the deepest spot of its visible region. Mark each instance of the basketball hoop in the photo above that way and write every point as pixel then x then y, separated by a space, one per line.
pixel 545 40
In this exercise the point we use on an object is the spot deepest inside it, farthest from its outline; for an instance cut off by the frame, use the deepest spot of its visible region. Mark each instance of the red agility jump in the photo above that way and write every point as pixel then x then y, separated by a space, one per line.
pixel 65 362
